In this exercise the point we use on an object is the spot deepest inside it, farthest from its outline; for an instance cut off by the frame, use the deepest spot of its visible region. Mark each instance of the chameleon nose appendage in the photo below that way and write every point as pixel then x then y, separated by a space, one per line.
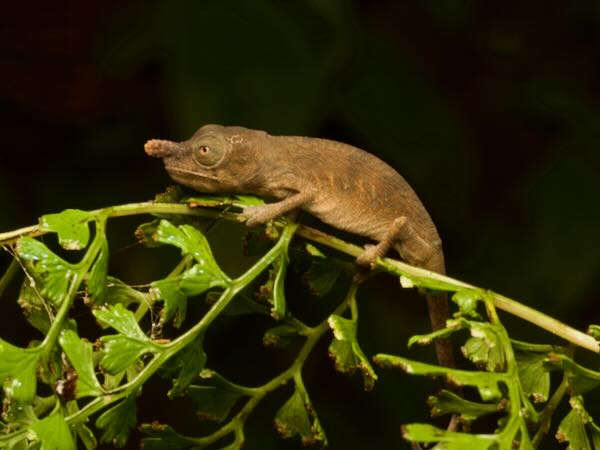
pixel 160 148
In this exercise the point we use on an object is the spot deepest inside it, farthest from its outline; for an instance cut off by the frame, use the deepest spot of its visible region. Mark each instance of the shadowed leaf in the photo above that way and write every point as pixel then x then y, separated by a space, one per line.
pixel 321 276
pixel 185 367
pixel 119 292
pixel 96 279
pixel 214 399
pixel 297 417
pixel 581 379
pixel 117 422
pixel 34 308
pixel 534 377
pixel 346 352
pixel 86 436
pixel 162 437
pixel 280 336
pixel 51 273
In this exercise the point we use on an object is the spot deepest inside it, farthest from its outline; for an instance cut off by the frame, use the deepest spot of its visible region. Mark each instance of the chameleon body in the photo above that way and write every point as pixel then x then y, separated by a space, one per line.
pixel 342 185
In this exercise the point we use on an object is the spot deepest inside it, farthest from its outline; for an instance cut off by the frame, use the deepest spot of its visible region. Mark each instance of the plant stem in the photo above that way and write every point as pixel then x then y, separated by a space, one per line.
pixel 548 412
pixel 82 269
pixel 292 372
pixel 11 236
pixel 169 350
pixel 12 270
pixel 546 322
pixel 389 265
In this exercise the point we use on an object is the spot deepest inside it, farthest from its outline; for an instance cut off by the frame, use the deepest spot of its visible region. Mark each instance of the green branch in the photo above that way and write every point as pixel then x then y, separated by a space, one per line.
pixel 387 264
pixel 513 379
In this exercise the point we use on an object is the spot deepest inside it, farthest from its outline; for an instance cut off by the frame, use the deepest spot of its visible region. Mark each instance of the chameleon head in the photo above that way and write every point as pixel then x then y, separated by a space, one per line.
pixel 214 159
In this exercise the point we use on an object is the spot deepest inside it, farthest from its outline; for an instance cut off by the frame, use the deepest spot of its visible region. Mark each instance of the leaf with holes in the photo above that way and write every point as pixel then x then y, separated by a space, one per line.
pixel 467 300
pixel 146 234
pixel 346 352
pixel 71 226
pixel 297 417
pixel 484 347
pixel 117 422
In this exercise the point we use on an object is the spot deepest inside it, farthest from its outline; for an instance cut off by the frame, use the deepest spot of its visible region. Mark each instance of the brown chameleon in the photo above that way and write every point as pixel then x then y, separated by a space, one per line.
pixel 342 185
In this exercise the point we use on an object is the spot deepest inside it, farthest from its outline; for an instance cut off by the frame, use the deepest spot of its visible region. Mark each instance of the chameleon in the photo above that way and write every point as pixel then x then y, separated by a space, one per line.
pixel 342 185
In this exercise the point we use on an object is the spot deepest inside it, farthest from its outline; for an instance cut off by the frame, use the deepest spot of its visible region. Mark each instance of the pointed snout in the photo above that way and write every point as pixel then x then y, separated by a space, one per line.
pixel 160 148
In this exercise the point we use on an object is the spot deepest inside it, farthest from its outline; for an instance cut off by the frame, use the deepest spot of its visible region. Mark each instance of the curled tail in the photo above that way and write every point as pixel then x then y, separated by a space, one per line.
pixel 437 304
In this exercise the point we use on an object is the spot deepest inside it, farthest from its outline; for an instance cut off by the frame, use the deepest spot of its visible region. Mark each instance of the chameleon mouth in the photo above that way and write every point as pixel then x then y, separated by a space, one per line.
pixel 179 173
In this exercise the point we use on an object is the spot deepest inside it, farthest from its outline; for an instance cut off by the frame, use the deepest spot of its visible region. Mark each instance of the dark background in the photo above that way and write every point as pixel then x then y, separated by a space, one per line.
pixel 489 109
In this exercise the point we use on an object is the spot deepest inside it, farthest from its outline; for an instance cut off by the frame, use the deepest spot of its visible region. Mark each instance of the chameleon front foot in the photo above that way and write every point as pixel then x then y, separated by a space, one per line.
pixel 258 215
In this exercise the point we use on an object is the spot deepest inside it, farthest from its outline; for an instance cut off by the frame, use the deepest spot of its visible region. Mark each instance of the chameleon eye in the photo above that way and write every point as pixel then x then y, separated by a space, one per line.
pixel 208 155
